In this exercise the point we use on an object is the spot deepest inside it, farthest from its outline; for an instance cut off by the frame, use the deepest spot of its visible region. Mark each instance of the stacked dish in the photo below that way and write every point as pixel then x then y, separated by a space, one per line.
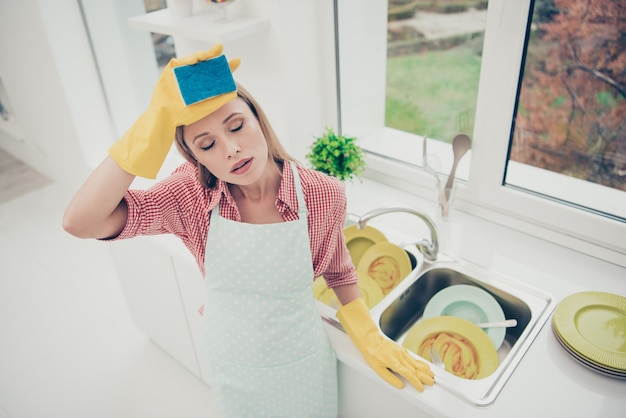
pixel 380 266
pixel 591 327
pixel 448 326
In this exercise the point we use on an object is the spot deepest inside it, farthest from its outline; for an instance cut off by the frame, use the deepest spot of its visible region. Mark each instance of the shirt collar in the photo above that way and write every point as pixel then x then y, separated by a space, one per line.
pixel 286 199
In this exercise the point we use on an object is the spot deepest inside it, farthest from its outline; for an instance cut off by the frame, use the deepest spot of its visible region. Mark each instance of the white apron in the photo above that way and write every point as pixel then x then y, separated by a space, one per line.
pixel 269 353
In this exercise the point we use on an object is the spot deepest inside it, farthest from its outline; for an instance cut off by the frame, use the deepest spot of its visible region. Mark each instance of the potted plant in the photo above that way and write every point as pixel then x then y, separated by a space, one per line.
pixel 337 156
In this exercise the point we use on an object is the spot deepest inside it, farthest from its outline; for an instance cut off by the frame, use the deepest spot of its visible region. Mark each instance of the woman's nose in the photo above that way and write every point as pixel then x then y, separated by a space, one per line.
pixel 232 147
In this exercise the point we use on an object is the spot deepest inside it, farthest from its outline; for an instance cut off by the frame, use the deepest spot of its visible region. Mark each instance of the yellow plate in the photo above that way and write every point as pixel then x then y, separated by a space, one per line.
pixel 594 325
pixel 465 349
pixel 386 263
pixel 369 290
pixel 325 295
pixel 360 240
pixel 585 361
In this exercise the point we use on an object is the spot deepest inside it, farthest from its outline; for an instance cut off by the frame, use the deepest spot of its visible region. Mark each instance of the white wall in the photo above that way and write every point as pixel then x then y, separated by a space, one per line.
pixel 49 76
pixel 53 83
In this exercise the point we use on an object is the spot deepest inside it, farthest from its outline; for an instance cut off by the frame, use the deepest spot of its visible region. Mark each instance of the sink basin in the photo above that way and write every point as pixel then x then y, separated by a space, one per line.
pixel 408 308
pixel 404 306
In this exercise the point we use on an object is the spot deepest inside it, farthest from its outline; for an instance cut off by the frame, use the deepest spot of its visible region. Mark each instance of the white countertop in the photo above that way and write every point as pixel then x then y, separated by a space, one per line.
pixel 547 381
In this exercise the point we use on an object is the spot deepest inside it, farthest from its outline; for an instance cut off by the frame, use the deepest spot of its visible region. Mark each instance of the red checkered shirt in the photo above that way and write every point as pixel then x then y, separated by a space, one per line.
pixel 179 205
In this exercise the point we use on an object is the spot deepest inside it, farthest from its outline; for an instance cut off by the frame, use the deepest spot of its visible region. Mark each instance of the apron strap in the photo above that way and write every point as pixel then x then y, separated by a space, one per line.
pixel 302 211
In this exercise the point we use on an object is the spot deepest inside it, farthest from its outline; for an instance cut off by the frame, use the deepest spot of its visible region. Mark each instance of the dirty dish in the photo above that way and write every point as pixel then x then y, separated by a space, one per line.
pixel 593 324
pixel 470 303
pixel 370 291
pixel 387 264
pixel 359 241
pixel 466 351
pixel 325 295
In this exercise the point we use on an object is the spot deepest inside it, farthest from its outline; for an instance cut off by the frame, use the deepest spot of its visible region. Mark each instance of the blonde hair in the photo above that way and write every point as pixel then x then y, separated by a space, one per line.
pixel 276 151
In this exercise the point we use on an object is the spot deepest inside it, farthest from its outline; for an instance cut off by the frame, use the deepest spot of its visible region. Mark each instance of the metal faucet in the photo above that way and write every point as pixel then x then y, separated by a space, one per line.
pixel 428 248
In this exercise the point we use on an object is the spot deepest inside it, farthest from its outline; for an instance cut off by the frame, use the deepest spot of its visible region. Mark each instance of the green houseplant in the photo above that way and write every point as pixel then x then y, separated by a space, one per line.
pixel 337 156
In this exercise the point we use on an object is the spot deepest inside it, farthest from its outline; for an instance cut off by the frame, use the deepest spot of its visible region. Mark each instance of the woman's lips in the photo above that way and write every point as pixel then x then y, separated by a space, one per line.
pixel 241 166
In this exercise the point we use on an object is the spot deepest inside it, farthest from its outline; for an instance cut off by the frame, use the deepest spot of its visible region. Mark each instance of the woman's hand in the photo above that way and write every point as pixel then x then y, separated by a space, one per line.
pixel 143 148
pixel 382 355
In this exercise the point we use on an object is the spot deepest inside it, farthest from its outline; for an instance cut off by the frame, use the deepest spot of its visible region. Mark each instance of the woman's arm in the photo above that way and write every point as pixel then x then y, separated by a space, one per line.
pixel 347 293
pixel 98 209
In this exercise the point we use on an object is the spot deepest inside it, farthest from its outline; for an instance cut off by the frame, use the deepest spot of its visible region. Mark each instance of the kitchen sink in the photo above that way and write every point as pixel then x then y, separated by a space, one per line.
pixel 405 310
pixel 403 307
pixel 531 307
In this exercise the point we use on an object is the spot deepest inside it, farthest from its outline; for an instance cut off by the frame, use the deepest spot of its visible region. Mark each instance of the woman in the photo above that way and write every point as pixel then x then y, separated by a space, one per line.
pixel 261 229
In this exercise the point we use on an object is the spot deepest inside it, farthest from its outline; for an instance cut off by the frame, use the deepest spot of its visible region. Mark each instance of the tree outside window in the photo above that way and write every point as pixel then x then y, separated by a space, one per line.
pixel 571 111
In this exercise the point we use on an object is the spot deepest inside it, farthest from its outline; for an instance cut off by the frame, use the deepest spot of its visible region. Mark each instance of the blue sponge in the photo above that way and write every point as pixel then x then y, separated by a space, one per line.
pixel 205 79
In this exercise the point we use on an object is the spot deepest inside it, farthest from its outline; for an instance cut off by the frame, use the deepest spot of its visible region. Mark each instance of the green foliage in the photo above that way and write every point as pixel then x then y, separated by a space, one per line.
pixel 337 156
pixel 427 92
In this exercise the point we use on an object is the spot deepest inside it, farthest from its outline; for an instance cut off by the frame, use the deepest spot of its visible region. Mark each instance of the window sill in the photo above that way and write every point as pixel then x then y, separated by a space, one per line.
pixel 396 161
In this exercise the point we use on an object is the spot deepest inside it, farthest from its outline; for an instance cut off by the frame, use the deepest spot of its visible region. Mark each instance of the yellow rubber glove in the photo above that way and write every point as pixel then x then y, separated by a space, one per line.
pixel 143 148
pixel 382 354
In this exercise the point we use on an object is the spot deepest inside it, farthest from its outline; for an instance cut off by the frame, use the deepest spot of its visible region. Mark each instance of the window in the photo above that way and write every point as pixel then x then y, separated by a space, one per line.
pixel 497 187
pixel 164 49
pixel 572 106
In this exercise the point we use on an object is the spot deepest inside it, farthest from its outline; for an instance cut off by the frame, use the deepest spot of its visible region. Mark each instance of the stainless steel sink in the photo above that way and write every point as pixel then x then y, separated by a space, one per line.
pixel 408 308
pixel 404 306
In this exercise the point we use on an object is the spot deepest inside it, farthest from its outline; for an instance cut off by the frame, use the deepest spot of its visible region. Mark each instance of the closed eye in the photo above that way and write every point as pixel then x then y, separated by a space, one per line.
pixel 237 128
pixel 208 147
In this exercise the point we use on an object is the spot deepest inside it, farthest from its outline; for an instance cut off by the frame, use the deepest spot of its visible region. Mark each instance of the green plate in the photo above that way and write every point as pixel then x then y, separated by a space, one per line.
pixel 594 325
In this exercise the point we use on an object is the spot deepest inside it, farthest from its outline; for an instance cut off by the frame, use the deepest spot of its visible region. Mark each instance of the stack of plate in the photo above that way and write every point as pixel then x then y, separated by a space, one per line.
pixel 380 266
pixel 591 327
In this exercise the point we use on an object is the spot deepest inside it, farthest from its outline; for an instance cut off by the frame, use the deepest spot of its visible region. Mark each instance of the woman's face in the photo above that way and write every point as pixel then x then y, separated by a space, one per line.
pixel 229 143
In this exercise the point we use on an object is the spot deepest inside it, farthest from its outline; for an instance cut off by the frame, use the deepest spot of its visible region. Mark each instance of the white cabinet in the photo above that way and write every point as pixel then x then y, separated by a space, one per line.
pixel 192 292
pixel 148 277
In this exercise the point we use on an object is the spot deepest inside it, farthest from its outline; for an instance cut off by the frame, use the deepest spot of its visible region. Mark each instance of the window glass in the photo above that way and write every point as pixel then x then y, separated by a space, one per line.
pixel 428 83
pixel 433 66
pixel 164 49
pixel 569 120
pixel 379 80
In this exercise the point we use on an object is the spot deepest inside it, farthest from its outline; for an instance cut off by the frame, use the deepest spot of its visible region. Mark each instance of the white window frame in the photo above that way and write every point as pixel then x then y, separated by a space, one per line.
pixel 361 78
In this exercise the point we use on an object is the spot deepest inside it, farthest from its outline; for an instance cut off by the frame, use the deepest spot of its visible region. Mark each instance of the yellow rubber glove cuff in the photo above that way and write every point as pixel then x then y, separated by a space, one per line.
pixel 383 355
pixel 143 148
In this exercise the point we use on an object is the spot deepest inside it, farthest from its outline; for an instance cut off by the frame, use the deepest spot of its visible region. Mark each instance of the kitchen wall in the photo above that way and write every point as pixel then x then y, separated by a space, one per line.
pixel 53 84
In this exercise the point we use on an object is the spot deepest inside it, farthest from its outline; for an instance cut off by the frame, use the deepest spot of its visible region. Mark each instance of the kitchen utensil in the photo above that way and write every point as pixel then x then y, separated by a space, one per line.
pixel 436 359
pixel 427 164
pixel 499 324
pixel 460 145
